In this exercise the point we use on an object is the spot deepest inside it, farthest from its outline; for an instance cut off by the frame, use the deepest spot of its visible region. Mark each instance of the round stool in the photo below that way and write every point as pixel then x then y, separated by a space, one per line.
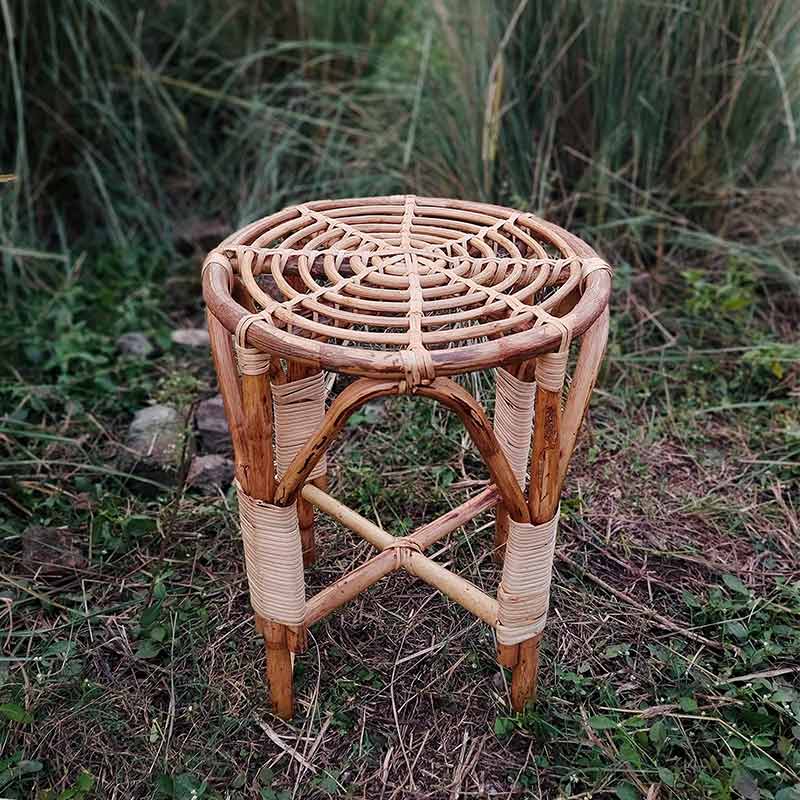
pixel 402 292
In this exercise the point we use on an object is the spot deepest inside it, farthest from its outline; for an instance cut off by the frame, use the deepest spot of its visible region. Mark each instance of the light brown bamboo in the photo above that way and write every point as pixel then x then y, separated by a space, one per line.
pixel 543 496
pixel 350 586
pixel 430 533
pixel 360 579
pixel 525 673
pixel 351 519
pixel 260 484
pixel 464 296
pixel 338 307
pixel 454 586
pixel 590 357
pixel 228 380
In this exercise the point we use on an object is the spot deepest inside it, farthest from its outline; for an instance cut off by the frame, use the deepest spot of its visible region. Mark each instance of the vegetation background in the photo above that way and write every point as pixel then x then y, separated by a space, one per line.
pixel 134 135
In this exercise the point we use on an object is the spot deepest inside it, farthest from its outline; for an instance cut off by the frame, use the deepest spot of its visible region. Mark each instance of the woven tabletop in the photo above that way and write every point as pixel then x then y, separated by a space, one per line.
pixel 404 286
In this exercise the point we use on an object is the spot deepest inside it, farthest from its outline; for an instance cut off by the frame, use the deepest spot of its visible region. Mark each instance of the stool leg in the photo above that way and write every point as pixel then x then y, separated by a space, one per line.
pixel 500 533
pixel 524 673
pixel 279 669
pixel 305 510
pixel 248 407
pixel 544 489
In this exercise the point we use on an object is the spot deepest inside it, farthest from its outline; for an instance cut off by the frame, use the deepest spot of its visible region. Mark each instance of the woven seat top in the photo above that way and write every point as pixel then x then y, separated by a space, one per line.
pixel 405 286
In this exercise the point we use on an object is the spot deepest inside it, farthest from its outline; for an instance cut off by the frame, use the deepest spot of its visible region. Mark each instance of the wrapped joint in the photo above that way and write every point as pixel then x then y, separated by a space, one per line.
pixel 299 414
pixel 218 259
pixel 417 368
pixel 590 265
pixel 251 360
pixel 513 421
pixel 404 546
pixel 274 559
pixel 523 598
pixel 551 370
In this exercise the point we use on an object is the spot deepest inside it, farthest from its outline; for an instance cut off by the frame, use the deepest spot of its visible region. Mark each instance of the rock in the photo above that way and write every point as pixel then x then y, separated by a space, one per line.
pixel 50 550
pixel 153 446
pixel 212 427
pixel 210 474
pixel 191 337
pixel 135 344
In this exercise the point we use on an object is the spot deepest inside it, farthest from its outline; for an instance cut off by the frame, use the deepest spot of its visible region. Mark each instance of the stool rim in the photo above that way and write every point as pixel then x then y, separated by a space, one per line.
pixel 391 364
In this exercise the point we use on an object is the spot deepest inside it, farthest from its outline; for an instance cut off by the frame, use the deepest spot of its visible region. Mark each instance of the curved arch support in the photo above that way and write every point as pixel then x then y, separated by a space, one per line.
pixel 443 390
pixel 590 357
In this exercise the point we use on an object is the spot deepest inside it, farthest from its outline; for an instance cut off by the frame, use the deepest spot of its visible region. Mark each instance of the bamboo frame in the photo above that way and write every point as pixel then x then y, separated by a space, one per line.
pixel 403 292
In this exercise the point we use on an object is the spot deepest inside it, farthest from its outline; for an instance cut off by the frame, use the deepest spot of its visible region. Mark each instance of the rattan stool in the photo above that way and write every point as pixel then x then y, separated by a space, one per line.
pixel 402 292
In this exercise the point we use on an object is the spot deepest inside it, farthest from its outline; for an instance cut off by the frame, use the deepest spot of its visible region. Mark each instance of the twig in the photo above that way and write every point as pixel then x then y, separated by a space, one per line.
pixel 290 751
pixel 646 610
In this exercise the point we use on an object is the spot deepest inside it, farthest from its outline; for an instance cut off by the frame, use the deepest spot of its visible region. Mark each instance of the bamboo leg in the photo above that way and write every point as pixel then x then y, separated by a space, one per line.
pixel 523 372
pixel 543 495
pixel 279 669
pixel 249 410
pixel 524 673
pixel 257 400
pixel 305 511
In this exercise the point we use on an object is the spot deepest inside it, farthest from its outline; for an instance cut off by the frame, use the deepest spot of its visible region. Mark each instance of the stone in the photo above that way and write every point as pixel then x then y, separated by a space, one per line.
pixel 210 474
pixel 191 337
pixel 136 344
pixel 50 550
pixel 154 442
pixel 212 427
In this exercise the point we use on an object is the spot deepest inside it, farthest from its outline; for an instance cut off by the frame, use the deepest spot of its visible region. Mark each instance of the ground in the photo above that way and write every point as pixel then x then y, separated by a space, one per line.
pixel 669 664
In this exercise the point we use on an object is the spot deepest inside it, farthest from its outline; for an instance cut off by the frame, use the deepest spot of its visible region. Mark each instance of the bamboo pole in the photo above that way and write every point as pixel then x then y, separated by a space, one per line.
pixel 524 372
pixel 429 534
pixel 351 519
pixel 543 496
pixel 279 638
pixel 454 586
pixel 590 357
pixel 350 586
pixel 389 560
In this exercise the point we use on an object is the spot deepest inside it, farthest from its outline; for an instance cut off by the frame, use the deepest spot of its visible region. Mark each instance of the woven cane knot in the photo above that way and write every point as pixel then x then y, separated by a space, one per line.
pixel 251 360
pixel 590 265
pixel 404 546
pixel 218 259
pixel 418 370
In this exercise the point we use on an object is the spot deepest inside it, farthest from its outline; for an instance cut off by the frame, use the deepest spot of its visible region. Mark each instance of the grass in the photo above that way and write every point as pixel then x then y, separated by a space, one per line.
pixel 670 659
pixel 662 130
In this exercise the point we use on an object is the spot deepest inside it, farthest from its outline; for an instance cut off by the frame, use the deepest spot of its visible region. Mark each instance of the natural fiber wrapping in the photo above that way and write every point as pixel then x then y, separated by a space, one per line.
pixel 274 559
pixel 524 594
pixel 513 421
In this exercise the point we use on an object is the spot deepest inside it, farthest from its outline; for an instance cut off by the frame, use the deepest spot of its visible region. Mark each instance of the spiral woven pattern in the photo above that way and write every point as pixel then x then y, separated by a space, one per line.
pixel 406 274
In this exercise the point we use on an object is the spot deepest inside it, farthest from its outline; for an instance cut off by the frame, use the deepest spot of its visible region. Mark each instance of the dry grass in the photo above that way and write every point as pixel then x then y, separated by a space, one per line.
pixel 399 694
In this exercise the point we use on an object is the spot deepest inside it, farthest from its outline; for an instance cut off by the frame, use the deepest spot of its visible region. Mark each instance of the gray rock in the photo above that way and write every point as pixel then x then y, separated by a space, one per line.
pixel 191 337
pixel 212 427
pixel 210 473
pixel 135 344
pixel 154 443
pixel 50 550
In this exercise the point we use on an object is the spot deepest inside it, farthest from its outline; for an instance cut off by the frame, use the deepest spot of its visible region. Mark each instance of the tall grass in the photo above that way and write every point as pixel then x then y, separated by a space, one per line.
pixel 656 125
pixel 634 117
pixel 127 123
